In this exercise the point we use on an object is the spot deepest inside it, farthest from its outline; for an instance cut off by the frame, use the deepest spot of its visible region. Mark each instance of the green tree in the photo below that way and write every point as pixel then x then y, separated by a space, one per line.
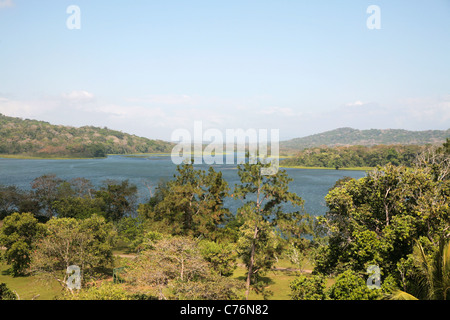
pixel 78 207
pixel 308 288
pixel 95 150
pixel 221 256
pixel 103 291
pixel 190 204
pixel 119 199
pixel 265 212
pixel 174 268
pixel 436 160
pixel 6 293
pixel 10 197
pixel 351 286
pixel 46 191
pixel 212 287
pixel 130 231
pixel 85 243
pixel 18 234
pixel 376 219
pixel 356 156
pixel 431 279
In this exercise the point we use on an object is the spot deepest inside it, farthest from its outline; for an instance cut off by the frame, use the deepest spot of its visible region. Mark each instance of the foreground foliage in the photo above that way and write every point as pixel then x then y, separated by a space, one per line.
pixel 386 219
pixel 184 243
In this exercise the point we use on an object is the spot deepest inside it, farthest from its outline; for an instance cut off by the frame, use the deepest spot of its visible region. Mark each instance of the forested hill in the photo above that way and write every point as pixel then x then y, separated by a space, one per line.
pixel 349 136
pixel 355 156
pixel 41 139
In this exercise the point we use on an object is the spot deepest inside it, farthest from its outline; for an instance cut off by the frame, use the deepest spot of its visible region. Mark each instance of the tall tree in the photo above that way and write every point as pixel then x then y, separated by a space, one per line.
pixel 46 190
pixel 85 243
pixel 376 219
pixel 13 199
pixel 18 234
pixel 265 211
pixel 436 160
pixel 191 203
pixel 119 199
pixel 174 268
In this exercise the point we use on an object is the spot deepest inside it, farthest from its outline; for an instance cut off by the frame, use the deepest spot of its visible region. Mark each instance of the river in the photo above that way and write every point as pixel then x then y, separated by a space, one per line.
pixel 311 184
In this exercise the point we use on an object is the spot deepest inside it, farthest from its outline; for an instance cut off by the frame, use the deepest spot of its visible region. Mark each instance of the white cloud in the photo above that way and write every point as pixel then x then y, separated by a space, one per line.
pixel 78 96
pixel 428 109
pixel 165 99
pixel 24 108
pixel 356 103
pixel 79 108
pixel 158 117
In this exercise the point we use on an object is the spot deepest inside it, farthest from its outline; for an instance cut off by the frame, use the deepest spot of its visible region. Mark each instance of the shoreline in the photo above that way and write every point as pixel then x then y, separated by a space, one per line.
pixel 329 168
pixel 26 157
pixel 137 155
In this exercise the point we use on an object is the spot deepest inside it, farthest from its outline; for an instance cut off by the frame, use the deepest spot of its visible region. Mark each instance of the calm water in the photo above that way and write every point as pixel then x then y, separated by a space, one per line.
pixel 311 185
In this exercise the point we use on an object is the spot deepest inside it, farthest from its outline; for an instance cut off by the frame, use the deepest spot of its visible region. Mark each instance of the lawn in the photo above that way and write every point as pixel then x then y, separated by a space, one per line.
pixel 29 288
pixel 277 280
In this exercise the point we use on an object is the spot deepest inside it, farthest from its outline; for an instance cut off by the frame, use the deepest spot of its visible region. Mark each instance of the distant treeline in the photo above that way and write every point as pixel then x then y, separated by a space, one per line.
pixel 42 139
pixel 356 156
pixel 372 137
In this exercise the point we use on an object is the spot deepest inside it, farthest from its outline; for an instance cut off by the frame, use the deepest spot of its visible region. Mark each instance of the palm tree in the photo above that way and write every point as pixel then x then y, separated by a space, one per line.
pixel 433 280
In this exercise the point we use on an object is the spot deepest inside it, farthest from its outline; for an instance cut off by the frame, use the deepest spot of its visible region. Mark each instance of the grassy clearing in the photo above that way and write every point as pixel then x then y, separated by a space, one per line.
pixel 277 280
pixel 32 287
pixel 29 288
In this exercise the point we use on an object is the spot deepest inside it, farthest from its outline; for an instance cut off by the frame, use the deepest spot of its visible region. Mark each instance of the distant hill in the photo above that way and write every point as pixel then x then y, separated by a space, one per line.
pixel 350 137
pixel 41 139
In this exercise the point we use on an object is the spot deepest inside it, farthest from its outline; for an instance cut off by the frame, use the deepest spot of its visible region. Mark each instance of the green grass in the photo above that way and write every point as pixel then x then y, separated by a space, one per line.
pixel 277 281
pixel 29 287
pixel 34 287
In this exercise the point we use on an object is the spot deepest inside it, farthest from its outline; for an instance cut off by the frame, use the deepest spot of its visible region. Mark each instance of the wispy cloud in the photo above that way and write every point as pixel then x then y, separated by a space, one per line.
pixel 356 103
pixel 428 109
pixel 6 4
pixel 78 96
pixel 165 99
pixel 279 111
pixel 158 116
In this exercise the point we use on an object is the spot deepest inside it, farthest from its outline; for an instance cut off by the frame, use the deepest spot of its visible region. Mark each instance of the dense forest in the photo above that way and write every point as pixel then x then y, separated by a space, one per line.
pixel 355 156
pixel 41 139
pixel 384 236
pixel 352 137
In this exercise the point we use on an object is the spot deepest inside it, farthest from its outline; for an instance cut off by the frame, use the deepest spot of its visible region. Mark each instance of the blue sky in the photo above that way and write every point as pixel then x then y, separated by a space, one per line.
pixel 150 67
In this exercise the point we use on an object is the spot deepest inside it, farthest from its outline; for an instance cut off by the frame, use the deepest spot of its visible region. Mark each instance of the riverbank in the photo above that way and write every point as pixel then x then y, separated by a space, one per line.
pixel 329 168
pixel 34 157
pixel 26 157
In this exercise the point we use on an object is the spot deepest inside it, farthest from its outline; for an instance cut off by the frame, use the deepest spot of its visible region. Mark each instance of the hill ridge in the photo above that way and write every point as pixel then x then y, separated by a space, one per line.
pixel 35 138
pixel 347 136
